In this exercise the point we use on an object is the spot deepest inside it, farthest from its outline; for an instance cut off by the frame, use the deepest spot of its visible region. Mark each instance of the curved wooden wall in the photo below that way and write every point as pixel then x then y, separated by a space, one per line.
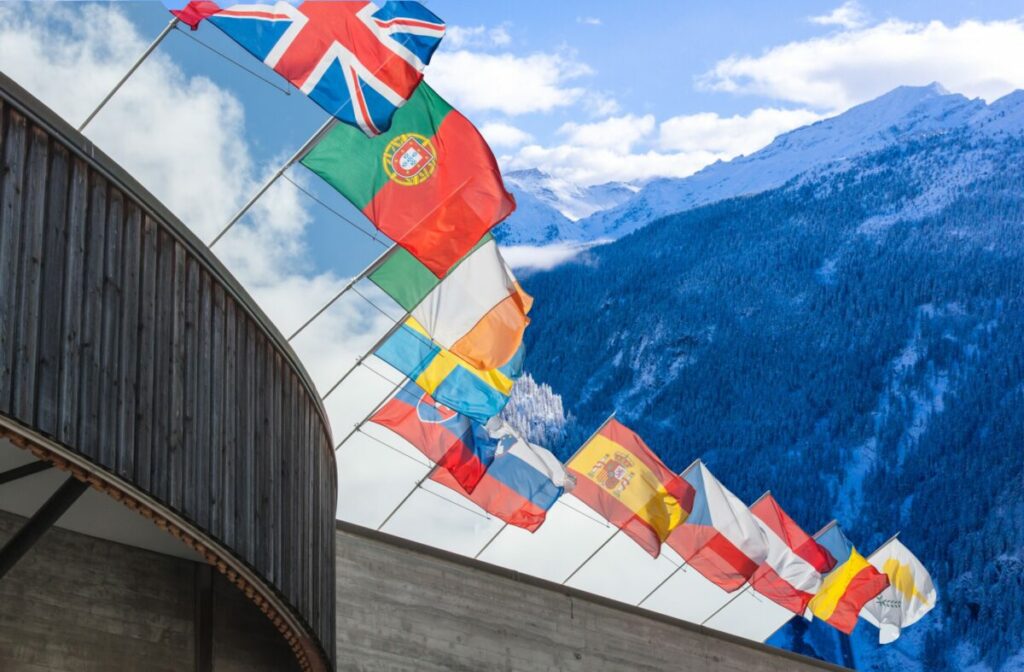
pixel 142 365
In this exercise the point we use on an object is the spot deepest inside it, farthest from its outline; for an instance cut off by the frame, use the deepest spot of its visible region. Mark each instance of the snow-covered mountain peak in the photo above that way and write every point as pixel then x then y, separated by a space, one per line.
pixel 896 116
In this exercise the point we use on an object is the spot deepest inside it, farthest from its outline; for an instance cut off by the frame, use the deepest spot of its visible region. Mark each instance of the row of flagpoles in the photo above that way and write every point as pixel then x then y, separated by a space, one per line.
pixel 424 176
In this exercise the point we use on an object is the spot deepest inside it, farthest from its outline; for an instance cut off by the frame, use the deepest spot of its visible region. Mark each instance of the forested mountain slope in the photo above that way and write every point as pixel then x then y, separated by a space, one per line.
pixel 852 340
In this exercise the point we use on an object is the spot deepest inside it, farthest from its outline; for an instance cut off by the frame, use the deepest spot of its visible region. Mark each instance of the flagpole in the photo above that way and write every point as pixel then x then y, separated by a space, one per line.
pixel 727 603
pixel 374 265
pixel 406 498
pixel 369 353
pixel 817 534
pixel 591 556
pixel 327 125
pixel 369 415
pixel 884 544
pixel 663 582
pixel 680 567
pixel 748 585
pixel 571 458
pixel 131 71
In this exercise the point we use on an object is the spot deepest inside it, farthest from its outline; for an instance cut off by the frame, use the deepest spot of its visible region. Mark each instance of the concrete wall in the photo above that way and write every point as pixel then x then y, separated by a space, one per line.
pixel 402 606
pixel 81 604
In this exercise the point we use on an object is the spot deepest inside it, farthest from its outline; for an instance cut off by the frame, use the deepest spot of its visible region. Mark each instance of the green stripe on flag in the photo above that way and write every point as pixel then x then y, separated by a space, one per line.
pixel 406 280
pixel 353 164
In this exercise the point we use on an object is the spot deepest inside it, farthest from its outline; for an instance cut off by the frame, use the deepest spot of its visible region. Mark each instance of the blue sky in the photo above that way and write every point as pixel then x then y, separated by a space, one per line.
pixel 588 91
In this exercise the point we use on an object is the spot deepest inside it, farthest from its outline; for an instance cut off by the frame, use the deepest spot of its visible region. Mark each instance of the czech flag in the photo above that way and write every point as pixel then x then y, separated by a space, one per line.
pixel 721 539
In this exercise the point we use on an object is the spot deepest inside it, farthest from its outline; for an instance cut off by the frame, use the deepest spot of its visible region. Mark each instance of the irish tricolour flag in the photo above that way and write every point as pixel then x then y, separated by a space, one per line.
pixel 479 312
pixel 430 183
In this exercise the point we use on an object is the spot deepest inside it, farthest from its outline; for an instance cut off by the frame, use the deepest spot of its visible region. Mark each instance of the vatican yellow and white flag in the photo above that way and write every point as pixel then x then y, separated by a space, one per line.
pixel 908 598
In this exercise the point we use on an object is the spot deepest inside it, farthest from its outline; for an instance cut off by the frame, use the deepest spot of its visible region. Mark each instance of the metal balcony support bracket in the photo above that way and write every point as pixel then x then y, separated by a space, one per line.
pixel 23 471
pixel 48 514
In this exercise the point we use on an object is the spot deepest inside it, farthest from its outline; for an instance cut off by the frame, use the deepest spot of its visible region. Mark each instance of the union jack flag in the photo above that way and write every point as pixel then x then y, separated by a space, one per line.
pixel 358 61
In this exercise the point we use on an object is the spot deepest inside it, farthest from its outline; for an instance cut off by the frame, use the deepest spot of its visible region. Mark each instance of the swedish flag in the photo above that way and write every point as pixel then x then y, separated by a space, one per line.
pixel 473 392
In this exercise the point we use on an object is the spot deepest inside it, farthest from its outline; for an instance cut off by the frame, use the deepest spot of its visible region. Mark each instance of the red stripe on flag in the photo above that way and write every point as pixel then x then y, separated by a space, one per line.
pixel 713 555
pixel 767 582
pixel 497 499
pixel 439 220
pixel 863 588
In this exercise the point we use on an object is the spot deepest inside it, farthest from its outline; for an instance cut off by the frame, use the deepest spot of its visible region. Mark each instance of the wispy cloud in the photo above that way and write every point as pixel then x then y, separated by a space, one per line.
pixel 588 20
pixel 848 15
pixel 192 152
pixel 476 37
pixel 500 134
pixel 837 71
pixel 506 82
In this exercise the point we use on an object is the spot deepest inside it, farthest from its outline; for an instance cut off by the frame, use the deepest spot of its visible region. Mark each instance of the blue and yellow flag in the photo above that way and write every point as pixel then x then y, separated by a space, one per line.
pixel 451 381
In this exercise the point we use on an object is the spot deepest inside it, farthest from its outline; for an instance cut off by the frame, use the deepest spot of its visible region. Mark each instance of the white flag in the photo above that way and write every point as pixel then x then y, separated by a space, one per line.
pixel 908 598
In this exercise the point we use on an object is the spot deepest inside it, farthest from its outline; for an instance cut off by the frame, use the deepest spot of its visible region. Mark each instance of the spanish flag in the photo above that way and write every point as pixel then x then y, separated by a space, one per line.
pixel 852 584
pixel 618 476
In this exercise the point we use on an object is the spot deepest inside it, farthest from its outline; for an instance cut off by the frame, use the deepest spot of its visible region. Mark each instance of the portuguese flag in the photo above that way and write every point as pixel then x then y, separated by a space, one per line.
pixel 430 183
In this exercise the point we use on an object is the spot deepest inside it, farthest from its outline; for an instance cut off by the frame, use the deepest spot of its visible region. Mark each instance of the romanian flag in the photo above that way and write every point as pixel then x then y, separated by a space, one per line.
pixel 476 393
pixel 448 439
pixel 478 311
pixel 618 476
pixel 523 482
pixel 791 573
pixel 851 585
pixel 430 183
pixel 721 539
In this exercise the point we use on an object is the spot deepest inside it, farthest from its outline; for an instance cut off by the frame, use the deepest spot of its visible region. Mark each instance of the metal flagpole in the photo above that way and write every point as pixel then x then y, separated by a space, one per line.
pixel 730 601
pixel 406 498
pixel 374 265
pixel 498 533
pixel 680 567
pixel 328 125
pixel 748 586
pixel 369 353
pixel 369 415
pixel 159 38
pixel 591 556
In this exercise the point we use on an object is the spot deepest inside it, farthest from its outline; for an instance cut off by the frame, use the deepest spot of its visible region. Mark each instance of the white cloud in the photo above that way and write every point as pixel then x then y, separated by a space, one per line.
pixel 626 149
pixel 543 257
pixel 595 165
pixel 614 133
pixel 588 20
pixel 735 135
pixel 500 134
pixel 850 14
pixel 507 83
pixel 188 145
pixel 852 66
pixel 476 37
